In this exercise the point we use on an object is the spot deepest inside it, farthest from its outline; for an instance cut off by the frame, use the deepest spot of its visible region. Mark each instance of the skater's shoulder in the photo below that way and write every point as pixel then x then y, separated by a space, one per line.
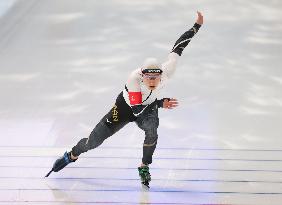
pixel 137 73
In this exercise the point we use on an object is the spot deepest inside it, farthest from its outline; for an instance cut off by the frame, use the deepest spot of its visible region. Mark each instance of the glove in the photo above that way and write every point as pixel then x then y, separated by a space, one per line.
pixel 160 103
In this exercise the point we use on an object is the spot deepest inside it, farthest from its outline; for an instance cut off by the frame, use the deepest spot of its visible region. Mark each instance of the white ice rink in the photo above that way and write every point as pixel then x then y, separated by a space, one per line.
pixel 63 62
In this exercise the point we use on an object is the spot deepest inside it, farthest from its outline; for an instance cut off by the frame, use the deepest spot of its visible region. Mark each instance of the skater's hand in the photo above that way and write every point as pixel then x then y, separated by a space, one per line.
pixel 170 104
pixel 200 19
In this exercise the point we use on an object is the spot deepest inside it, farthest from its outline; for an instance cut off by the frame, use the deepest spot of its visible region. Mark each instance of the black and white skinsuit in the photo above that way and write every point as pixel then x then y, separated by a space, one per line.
pixel 137 103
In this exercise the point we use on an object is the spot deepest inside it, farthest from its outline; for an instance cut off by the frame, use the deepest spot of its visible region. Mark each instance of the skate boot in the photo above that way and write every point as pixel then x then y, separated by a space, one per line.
pixel 61 163
pixel 145 175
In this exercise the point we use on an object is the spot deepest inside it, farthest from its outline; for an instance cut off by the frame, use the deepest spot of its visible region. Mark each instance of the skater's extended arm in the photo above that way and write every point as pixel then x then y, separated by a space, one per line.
pixel 170 65
pixel 185 38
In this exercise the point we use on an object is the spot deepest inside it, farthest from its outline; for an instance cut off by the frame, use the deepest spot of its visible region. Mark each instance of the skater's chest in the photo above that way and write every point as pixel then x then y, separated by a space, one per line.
pixel 149 96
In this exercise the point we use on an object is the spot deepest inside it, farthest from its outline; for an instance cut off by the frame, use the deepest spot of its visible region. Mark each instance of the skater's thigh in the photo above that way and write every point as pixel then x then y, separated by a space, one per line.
pixel 113 121
pixel 119 115
pixel 149 119
pixel 105 128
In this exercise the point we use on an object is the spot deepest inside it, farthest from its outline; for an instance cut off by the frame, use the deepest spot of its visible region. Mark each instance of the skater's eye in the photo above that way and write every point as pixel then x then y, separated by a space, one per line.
pixel 152 77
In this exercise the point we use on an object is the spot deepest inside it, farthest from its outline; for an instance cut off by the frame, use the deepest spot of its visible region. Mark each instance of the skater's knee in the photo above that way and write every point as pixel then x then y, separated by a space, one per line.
pixel 150 140
pixel 80 147
pixel 151 135
pixel 98 135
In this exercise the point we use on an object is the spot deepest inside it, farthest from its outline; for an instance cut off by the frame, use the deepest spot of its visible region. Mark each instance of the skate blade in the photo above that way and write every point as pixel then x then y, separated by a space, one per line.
pixel 145 185
pixel 47 175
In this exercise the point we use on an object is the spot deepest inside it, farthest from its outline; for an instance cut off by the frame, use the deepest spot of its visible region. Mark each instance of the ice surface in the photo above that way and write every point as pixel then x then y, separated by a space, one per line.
pixel 62 64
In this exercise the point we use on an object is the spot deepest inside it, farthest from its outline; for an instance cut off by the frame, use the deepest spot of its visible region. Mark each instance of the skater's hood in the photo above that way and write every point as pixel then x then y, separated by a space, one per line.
pixel 152 63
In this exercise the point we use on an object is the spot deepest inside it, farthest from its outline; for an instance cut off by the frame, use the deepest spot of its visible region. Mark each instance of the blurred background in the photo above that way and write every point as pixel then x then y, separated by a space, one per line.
pixel 63 63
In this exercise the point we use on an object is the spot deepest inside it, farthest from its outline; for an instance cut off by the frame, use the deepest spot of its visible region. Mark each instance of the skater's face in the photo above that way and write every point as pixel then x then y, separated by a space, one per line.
pixel 151 80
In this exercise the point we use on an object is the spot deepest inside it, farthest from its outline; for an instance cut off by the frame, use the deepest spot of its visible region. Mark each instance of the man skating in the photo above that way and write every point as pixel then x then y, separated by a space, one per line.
pixel 137 103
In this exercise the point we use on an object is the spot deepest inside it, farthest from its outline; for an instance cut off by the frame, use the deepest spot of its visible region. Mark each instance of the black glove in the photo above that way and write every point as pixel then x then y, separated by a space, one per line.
pixel 160 102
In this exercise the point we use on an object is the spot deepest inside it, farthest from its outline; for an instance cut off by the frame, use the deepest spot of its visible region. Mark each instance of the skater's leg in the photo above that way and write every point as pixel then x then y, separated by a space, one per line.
pixel 113 121
pixel 96 138
pixel 149 145
pixel 149 122
pixel 104 129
